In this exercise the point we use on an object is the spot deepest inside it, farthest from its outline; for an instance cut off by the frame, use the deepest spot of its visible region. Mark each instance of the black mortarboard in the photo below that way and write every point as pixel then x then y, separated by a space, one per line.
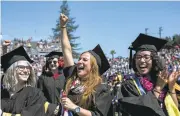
pixel 54 54
pixel 146 42
pixel 13 56
pixel 101 59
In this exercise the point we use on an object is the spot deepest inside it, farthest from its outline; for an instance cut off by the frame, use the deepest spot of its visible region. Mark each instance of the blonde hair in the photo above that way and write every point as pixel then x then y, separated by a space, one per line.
pixel 10 78
pixel 92 80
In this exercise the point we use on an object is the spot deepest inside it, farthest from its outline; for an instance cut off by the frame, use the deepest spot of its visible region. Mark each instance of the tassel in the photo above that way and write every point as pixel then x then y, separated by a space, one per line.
pixel 130 57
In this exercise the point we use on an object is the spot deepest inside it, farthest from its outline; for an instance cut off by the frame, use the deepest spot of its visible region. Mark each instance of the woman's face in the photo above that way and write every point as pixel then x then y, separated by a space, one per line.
pixel 22 71
pixel 84 65
pixel 143 61
pixel 53 64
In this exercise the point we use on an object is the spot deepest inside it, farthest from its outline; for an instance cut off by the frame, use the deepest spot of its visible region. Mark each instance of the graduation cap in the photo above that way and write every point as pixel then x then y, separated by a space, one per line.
pixel 13 56
pixel 146 43
pixel 54 54
pixel 101 59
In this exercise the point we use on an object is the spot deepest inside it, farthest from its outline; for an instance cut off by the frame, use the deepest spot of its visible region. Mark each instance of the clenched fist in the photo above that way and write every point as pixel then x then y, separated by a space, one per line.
pixel 68 104
pixel 7 42
pixel 63 20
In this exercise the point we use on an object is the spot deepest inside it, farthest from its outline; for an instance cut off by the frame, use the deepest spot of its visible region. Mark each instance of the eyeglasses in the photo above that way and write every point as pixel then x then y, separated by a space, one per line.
pixel 53 61
pixel 21 67
pixel 146 58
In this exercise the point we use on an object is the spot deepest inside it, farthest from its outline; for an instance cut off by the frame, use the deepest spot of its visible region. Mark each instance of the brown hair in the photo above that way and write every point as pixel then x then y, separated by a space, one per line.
pixel 92 80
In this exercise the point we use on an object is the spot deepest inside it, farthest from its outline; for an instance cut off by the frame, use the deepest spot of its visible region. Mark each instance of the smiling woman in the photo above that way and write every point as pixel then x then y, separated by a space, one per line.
pixel 85 93
pixel 19 95
pixel 52 80
pixel 150 90
pixel 20 72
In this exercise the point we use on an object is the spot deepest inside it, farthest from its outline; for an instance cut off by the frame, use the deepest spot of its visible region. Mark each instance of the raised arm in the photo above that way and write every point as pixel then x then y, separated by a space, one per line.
pixel 66 47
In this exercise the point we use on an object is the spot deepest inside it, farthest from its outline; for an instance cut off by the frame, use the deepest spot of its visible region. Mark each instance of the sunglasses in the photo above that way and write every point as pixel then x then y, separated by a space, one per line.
pixel 53 61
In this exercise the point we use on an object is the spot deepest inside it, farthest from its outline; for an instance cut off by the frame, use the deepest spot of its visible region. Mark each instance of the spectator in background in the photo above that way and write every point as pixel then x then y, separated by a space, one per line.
pixel 52 80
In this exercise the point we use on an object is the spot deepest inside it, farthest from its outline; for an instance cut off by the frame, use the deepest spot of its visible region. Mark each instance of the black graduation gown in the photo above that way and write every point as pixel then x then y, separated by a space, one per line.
pixel 4 92
pixel 103 97
pixel 51 87
pixel 132 104
pixel 29 101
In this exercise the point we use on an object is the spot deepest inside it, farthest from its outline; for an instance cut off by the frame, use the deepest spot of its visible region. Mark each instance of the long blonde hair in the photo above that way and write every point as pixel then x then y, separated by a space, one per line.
pixel 92 80
pixel 10 78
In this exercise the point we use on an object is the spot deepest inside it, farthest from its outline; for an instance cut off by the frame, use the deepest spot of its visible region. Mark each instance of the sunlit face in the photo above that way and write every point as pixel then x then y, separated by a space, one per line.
pixel 53 64
pixel 84 65
pixel 143 61
pixel 22 71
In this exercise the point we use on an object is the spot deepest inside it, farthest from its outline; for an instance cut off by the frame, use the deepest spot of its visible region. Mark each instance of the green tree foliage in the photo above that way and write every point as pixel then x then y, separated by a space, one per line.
pixel 112 52
pixel 71 28
pixel 173 41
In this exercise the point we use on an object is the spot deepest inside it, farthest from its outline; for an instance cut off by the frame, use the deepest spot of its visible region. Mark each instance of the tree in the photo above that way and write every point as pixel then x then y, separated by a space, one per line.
pixel 172 41
pixel 176 39
pixel 112 52
pixel 71 28
pixel 168 38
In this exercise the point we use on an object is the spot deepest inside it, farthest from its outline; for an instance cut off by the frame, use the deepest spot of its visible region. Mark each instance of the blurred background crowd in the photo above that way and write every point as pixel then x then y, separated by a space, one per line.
pixel 119 65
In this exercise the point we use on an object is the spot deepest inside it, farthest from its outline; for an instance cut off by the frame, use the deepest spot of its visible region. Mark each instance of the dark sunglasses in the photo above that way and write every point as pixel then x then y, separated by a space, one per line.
pixel 53 61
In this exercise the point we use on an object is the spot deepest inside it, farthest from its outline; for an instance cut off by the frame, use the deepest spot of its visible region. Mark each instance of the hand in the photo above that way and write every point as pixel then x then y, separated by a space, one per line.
pixel 6 42
pixel 162 80
pixel 63 20
pixel 172 79
pixel 68 104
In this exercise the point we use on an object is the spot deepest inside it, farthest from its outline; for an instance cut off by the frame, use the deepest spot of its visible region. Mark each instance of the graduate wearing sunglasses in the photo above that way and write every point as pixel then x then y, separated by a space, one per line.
pixel 52 80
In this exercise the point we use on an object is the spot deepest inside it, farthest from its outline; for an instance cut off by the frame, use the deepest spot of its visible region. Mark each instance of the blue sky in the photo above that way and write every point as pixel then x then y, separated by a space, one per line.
pixel 114 25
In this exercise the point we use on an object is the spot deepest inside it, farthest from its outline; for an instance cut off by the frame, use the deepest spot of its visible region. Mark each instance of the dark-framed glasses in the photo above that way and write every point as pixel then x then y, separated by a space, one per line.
pixel 146 58
pixel 21 67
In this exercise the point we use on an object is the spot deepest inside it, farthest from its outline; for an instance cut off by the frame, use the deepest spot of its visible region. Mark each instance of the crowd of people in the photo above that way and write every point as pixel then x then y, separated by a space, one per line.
pixel 145 83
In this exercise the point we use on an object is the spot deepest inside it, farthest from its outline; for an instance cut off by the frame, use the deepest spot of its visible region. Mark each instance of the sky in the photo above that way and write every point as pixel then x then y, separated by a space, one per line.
pixel 113 25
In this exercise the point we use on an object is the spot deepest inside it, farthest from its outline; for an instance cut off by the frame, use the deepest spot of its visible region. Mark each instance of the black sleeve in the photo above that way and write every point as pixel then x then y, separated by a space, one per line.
pixel 40 83
pixel 7 105
pixel 128 89
pixel 62 82
pixel 51 109
pixel 145 105
pixel 69 71
pixel 4 92
pixel 103 100
pixel 35 105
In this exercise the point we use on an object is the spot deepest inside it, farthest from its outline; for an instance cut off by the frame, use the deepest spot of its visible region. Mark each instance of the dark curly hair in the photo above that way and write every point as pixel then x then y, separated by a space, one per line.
pixel 158 64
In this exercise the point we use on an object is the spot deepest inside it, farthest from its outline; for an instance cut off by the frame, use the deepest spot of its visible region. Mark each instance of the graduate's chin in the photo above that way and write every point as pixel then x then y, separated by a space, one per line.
pixel 23 78
pixel 144 71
